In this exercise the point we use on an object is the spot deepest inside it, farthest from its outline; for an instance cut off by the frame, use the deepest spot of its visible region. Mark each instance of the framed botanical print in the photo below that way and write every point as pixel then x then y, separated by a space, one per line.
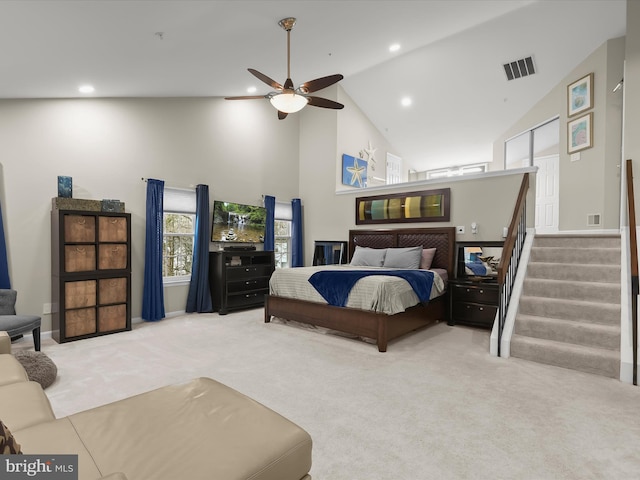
pixel 580 133
pixel 580 95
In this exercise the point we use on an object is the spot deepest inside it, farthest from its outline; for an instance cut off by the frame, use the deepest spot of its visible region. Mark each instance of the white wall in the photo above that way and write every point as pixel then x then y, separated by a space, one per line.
pixel 591 184
pixel 240 149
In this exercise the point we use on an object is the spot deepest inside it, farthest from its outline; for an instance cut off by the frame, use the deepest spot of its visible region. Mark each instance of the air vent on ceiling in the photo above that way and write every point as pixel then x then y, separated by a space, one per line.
pixel 519 68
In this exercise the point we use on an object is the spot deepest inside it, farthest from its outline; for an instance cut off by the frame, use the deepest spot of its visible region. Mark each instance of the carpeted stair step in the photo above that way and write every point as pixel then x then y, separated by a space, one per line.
pixel 578 241
pixel 580 256
pixel 578 333
pixel 577 357
pixel 588 291
pixel 575 272
pixel 591 312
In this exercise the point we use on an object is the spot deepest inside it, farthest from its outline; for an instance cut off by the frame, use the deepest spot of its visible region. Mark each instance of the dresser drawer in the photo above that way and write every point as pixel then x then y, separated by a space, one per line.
pixel 473 313
pixel 249 284
pixel 246 299
pixel 475 294
pixel 249 271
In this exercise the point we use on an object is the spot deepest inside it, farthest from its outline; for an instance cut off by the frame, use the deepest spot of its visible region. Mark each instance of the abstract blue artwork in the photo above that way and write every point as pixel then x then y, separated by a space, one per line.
pixel 65 187
pixel 354 171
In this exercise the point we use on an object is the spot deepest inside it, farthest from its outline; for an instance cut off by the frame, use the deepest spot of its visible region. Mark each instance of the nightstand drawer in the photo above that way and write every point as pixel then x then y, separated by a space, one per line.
pixel 474 313
pixel 475 294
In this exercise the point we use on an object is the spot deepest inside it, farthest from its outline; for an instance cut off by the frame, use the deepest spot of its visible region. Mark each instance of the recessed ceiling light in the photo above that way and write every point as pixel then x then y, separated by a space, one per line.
pixel 394 48
pixel 86 89
pixel 251 89
pixel 406 101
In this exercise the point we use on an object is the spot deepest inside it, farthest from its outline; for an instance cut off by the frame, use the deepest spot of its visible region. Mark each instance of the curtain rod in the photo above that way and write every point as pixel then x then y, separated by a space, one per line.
pixel 190 187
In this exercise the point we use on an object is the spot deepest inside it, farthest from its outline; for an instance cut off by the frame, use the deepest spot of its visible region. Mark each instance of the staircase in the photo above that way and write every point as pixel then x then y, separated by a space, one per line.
pixel 569 311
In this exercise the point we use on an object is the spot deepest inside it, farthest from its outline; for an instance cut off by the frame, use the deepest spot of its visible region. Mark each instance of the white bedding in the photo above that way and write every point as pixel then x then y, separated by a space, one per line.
pixel 378 293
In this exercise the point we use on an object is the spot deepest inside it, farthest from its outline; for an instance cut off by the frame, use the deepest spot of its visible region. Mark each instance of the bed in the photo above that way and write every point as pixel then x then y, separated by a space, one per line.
pixel 380 327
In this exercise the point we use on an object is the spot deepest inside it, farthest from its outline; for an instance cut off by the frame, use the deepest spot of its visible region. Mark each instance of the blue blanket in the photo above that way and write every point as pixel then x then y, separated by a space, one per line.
pixel 335 285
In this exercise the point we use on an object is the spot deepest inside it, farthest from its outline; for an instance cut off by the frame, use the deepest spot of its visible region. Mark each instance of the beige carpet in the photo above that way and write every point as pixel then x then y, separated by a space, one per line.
pixel 435 406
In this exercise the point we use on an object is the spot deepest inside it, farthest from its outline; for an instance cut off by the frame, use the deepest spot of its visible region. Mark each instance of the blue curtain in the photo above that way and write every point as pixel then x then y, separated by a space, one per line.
pixel 153 292
pixel 269 231
pixel 199 298
pixel 297 259
pixel 5 282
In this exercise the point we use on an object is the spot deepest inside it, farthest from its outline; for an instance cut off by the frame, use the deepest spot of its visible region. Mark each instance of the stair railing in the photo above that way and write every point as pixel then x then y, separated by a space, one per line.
pixel 633 244
pixel 511 251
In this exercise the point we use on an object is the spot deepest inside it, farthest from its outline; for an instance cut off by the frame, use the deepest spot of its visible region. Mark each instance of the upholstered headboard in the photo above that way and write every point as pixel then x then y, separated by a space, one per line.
pixel 443 239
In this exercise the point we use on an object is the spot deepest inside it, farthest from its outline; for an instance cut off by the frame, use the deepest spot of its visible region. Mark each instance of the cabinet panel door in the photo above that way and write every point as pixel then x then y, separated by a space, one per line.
pixel 113 290
pixel 80 294
pixel 79 258
pixel 112 256
pixel 80 322
pixel 112 229
pixel 79 228
pixel 113 317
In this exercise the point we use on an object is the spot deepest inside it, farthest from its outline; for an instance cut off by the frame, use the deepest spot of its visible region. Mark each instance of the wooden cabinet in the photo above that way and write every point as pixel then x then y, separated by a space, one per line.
pixel 473 303
pixel 239 279
pixel 91 273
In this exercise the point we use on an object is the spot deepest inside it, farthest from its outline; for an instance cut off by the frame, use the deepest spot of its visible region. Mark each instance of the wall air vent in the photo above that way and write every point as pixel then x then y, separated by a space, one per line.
pixel 519 68
pixel 593 219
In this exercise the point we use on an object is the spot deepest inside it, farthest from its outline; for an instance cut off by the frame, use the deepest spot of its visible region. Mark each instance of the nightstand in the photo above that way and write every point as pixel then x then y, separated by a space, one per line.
pixel 473 303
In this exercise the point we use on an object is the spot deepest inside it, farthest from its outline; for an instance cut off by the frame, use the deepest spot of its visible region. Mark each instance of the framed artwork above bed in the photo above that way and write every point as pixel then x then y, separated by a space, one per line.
pixel 424 206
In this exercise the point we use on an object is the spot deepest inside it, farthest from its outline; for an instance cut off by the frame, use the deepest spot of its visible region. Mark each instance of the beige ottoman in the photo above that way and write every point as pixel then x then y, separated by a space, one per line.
pixel 198 430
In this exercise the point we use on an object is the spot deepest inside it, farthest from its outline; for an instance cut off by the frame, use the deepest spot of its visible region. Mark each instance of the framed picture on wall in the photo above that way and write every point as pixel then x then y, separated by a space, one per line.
pixel 580 95
pixel 580 133
pixel 425 206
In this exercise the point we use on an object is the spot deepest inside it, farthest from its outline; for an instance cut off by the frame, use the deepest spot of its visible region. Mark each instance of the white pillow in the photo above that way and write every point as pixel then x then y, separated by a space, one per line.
pixel 368 257
pixel 408 258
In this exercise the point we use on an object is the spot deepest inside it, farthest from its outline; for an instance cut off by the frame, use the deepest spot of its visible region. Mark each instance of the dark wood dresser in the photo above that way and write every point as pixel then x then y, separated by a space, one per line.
pixel 239 279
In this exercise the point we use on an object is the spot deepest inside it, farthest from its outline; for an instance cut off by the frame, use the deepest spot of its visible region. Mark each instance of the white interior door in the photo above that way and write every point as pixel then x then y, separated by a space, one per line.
pixel 394 169
pixel 547 198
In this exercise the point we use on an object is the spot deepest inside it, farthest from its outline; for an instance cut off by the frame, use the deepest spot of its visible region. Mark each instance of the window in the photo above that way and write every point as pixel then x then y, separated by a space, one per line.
pixel 179 220
pixel 457 171
pixel 543 140
pixel 282 233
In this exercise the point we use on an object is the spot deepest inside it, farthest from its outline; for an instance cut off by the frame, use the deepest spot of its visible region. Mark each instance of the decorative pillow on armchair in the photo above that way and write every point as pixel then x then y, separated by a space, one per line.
pixel 8 444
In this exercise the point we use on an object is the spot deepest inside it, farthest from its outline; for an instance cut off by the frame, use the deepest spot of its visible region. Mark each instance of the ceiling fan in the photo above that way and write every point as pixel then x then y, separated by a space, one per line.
pixel 287 99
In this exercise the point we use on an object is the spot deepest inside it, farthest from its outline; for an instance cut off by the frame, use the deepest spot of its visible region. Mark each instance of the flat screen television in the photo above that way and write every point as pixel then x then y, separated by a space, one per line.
pixel 238 223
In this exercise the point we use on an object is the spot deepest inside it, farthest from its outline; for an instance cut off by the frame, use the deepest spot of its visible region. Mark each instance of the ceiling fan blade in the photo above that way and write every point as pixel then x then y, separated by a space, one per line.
pixel 324 103
pixel 265 79
pixel 246 97
pixel 319 83
pixel 281 115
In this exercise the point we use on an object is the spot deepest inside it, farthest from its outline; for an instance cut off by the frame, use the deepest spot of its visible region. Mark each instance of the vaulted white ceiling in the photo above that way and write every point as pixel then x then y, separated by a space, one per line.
pixel 449 63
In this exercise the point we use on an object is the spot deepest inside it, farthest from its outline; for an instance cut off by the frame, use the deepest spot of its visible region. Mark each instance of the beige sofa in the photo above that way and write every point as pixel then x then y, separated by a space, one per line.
pixel 198 430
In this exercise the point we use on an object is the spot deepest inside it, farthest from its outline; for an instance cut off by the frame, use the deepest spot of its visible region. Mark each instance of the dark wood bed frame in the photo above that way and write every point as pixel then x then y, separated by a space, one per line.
pixel 378 326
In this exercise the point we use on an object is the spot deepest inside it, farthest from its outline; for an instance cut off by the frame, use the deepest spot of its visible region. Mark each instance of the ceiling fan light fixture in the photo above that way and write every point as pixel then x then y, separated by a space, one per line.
pixel 288 102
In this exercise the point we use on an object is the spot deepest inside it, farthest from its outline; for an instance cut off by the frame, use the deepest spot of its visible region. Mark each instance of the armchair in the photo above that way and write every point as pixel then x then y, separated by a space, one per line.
pixel 14 324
